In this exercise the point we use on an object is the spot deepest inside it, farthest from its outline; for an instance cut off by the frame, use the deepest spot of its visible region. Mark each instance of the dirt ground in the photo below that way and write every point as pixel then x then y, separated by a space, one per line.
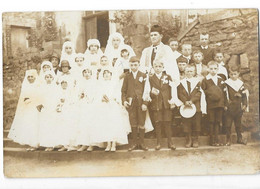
pixel 237 159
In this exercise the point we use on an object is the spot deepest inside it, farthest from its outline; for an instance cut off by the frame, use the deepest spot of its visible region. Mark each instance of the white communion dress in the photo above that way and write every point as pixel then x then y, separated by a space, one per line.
pixel 24 129
pixel 108 120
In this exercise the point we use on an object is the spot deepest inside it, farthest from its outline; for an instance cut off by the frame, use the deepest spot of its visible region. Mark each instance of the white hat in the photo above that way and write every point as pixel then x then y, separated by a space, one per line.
pixel 188 111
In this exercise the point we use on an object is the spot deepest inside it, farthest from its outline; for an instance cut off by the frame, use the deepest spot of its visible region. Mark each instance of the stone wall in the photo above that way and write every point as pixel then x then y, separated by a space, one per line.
pixel 238 37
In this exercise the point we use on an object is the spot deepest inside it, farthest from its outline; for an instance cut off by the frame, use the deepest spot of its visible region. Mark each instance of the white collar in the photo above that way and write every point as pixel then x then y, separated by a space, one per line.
pixel 209 76
pixel 134 73
pixel 188 57
pixel 158 75
pixel 200 64
pixel 236 85
pixel 221 64
pixel 160 44
pixel 193 81
pixel 204 47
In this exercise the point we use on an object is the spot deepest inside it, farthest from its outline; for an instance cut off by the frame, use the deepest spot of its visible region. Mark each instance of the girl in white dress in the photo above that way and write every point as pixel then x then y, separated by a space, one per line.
pixel 45 66
pixel 114 46
pixel 113 125
pixel 80 63
pixel 67 116
pixel 68 53
pixel 48 126
pixel 93 53
pixel 87 91
pixel 24 129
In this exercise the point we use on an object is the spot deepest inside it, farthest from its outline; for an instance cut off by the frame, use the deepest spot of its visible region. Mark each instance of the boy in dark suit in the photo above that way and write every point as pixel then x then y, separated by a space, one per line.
pixel 205 49
pixel 237 104
pixel 189 92
pixel 186 50
pixel 182 63
pixel 215 91
pixel 132 98
pixel 160 84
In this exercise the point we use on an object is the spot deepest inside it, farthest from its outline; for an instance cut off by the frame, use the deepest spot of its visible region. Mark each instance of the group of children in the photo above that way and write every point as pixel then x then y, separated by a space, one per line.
pixel 80 100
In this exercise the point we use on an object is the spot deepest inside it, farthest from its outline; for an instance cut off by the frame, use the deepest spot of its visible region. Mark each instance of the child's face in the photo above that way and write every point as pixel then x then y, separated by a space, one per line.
pixel 46 68
pixel 181 66
pixel 190 72
pixel 219 57
pixel 48 79
pixel 64 69
pixel 107 75
pixel 204 40
pixel 134 66
pixel 125 54
pixel 79 61
pixel 174 45
pixel 93 49
pixel 158 68
pixel 87 74
pixel 64 85
pixel 197 58
pixel 55 62
pixel 68 50
pixel 234 75
pixel 104 61
pixel 186 50
pixel 31 78
pixel 115 42
pixel 213 69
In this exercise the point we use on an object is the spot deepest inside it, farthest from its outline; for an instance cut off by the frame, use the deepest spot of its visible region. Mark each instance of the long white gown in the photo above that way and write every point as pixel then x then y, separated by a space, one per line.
pixel 108 120
pixel 24 129
pixel 48 125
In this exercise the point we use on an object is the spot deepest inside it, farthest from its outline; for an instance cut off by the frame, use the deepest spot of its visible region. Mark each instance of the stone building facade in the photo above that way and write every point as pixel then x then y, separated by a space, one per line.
pixel 236 33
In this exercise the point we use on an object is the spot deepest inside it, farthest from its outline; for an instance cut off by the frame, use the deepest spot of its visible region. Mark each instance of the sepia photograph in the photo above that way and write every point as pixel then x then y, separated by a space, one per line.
pixel 112 93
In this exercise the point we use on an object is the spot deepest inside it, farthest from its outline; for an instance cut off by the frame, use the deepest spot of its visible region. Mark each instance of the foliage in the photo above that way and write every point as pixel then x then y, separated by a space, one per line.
pixel 170 26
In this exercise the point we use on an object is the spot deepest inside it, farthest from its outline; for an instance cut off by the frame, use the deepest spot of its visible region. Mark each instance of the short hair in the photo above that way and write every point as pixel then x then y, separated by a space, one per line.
pixel 157 61
pixel 134 59
pixel 86 70
pixel 173 39
pixel 218 51
pixel 196 52
pixel 234 68
pixel 191 66
pixel 63 81
pixel 106 71
pixel 79 57
pixel 103 56
pixel 204 32
pixel 181 60
pixel 187 44
pixel 212 62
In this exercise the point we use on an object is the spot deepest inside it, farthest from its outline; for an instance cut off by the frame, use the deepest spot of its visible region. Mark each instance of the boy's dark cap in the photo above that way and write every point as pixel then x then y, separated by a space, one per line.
pixel 156 28
pixel 182 59
pixel 134 59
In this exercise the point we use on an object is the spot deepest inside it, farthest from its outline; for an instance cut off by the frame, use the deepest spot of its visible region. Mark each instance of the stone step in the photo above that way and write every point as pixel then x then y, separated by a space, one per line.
pixel 151 143
pixel 119 154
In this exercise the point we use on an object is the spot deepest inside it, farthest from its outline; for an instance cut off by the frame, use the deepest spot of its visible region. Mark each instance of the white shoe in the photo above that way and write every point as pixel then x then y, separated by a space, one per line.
pixel 108 148
pixel 90 149
pixel 62 149
pixel 82 148
pixel 113 149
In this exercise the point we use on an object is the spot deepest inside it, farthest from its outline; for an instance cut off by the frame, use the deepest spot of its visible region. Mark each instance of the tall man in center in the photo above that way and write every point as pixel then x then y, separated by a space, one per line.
pixel 163 53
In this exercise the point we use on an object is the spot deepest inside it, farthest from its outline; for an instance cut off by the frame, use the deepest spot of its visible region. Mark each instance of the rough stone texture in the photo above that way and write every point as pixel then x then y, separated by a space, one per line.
pixel 238 38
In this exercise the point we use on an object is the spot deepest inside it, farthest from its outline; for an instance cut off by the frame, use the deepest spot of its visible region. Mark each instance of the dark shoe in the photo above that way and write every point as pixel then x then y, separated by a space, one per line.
pixel 211 141
pixel 215 144
pixel 228 142
pixel 241 141
pixel 188 142
pixel 195 143
pixel 133 147
pixel 143 147
pixel 158 147
pixel 171 146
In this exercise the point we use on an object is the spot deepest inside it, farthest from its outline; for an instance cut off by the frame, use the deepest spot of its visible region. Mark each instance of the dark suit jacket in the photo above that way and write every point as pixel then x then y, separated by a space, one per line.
pixel 134 88
pixel 207 53
pixel 194 96
pixel 211 91
pixel 234 105
pixel 160 101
